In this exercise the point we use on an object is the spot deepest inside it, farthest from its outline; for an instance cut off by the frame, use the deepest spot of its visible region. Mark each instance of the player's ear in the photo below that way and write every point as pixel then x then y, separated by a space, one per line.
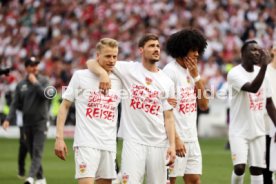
pixel 141 50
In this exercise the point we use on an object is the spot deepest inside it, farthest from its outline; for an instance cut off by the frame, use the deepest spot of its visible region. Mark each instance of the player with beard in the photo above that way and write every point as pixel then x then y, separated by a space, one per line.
pixel 147 124
pixel 250 96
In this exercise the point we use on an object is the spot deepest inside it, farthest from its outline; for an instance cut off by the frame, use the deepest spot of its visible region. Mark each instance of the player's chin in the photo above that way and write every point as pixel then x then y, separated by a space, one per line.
pixel 109 68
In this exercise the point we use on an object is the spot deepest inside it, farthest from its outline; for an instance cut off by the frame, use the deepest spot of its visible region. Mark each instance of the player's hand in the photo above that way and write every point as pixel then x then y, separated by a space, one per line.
pixel 105 83
pixel 265 57
pixel 191 65
pixel 180 148
pixel 61 150
pixel 172 102
pixel 170 156
pixel 6 124
pixel 32 78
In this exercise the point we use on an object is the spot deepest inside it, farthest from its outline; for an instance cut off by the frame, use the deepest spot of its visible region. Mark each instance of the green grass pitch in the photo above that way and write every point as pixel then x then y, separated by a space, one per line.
pixel 217 166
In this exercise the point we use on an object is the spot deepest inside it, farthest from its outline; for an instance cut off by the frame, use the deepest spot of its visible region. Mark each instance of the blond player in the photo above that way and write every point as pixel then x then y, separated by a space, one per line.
pixel 147 124
pixel 96 119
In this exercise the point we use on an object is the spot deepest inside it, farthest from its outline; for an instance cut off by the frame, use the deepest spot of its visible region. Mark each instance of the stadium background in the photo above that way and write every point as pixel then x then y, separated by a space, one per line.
pixel 63 34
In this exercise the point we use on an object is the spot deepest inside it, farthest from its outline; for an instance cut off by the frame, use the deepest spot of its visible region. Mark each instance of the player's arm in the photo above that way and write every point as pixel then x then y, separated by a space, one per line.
pixel 60 146
pixel 202 97
pixel 179 145
pixel 13 107
pixel 170 129
pixel 271 110
pixel 97 69
pixel 255 85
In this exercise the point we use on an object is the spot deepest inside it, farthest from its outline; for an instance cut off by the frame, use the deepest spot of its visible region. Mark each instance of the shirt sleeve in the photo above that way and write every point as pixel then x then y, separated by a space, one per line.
pixel 236 80
pixel 14 105
pixel 171 94
pixel 267 88
pixel 122 68
pixel 71 90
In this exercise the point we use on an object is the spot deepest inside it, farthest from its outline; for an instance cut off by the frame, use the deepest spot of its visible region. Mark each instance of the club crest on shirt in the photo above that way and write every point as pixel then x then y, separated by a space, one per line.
pixel 148 80
pixel 124 178
pixel 82 167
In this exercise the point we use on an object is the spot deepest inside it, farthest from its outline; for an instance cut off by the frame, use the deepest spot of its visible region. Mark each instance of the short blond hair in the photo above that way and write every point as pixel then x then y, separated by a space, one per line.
pixel 107 42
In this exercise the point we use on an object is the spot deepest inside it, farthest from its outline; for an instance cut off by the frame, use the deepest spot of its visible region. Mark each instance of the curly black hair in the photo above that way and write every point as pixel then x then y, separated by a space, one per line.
pixel 181 42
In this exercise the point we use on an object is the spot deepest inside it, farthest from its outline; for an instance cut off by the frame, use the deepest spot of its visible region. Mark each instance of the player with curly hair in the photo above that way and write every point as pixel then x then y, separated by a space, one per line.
pixel 186 46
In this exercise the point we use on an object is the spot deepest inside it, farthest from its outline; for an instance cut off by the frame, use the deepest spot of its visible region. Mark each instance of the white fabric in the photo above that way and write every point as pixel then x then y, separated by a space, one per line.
pixel 96 114
pixel 142 119
pixel 271 76
pixel 191 163
pixel 138 160
pixel 272 163
pixel 235 179
pixel 41 181
pixel 95 163
pixel 257 179
pixel 186 110
pixel 19 118
pixel 247 109
pixel 245 151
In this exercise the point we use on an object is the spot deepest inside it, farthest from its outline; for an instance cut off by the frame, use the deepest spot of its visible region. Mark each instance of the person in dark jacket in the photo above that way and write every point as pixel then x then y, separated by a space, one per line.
pixel 30 95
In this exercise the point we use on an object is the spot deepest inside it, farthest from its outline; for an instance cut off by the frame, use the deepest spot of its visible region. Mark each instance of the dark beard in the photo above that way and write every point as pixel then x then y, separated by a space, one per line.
pixel 153 61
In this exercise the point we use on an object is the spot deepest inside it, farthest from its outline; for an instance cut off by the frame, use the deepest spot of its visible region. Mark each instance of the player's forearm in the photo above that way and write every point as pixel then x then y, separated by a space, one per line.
pixel 255 85
pixel 202 97
pixel 170 128
pixel 95 67
pixel 61 118
pixel 271 110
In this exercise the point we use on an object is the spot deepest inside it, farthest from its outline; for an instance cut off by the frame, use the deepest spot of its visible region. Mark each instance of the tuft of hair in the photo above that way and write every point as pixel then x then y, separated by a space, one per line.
pixel 147 37
pixel 106 42
pixel 181 42
pixel 246 44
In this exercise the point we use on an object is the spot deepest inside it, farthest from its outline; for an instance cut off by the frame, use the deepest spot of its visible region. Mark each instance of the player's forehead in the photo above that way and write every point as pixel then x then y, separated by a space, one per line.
pixel 152 42
pixel 108 49
pixel 253 46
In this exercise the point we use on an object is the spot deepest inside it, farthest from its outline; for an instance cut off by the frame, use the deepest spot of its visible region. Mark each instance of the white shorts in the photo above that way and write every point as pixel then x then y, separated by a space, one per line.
pixel 191 163
pixel 272 163
pixel 138 160
pixel 248 151
pixel 94 163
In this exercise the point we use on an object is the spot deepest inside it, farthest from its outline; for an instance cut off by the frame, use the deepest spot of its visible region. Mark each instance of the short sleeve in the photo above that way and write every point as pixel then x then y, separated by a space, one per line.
pixel 267 88
pixel 236 80
pixel 71 90
pixel 122 68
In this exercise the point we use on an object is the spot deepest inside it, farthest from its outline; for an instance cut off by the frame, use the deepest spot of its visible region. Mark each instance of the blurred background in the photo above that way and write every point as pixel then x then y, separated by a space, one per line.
pixel 62 34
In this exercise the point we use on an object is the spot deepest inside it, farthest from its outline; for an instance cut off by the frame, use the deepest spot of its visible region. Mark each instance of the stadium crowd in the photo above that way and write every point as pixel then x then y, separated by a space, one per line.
pixel 62 34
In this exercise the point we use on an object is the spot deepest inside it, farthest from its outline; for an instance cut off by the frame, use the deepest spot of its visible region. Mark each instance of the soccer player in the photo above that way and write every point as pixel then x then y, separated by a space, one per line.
pixel 270 138
pixel 147 124
pixel 96 119
pixel 250 95
pixel 186 46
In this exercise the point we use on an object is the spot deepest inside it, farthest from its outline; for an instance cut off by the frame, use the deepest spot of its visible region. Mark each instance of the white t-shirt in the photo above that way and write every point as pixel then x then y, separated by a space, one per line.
pixel 96 114
pixel 247 109
pixel 185 112
pixel 142 119
pixel 271 76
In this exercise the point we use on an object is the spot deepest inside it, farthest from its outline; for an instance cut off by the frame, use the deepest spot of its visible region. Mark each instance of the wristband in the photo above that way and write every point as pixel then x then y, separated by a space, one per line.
pixel 197 78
